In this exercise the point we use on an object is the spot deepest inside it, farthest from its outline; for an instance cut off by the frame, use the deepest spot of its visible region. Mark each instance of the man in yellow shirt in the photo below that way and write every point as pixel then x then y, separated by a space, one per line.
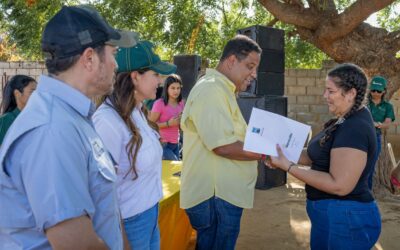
pixel 218 176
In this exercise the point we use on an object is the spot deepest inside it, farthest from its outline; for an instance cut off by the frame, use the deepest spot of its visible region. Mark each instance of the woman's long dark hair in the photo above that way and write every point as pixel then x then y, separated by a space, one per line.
pixel 346 77
pixel 17 82
pixel 168 81
pixel 122 100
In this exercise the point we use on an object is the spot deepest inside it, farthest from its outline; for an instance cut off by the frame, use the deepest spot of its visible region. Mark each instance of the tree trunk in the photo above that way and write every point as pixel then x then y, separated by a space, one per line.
pixel 344 37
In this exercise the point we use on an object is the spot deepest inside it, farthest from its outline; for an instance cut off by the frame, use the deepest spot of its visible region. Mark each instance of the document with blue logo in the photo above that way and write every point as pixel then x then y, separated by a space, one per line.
pixel 266 129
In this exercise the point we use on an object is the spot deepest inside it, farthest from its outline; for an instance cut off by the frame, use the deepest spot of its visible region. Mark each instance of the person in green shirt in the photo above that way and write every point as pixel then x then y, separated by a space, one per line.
pixel 15 96
pixel 381 111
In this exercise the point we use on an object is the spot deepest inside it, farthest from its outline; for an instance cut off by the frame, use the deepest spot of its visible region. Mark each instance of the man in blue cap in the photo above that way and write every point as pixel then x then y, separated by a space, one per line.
pixel 56 178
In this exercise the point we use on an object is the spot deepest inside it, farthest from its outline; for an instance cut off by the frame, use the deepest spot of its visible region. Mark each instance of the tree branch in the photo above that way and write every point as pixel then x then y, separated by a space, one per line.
pixel 272 22
pixel 295 2
pixel 292 13
pixel 331 6
pixel 346 22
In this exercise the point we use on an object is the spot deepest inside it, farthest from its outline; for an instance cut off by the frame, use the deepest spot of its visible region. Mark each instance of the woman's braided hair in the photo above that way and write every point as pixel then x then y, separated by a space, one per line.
pixel 346 77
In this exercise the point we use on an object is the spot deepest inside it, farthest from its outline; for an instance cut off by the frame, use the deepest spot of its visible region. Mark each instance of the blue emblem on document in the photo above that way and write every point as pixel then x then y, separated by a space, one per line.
pixel 258 131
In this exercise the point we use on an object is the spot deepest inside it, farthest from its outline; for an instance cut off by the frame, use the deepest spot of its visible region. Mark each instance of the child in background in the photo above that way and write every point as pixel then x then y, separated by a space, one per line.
pixel 166 112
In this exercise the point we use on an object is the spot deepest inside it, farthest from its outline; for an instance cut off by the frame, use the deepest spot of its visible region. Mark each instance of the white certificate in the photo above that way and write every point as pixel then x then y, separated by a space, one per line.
pixel 266 130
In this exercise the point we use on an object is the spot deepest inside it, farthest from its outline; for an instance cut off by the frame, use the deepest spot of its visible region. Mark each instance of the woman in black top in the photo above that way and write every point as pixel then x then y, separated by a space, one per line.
pixel 340 205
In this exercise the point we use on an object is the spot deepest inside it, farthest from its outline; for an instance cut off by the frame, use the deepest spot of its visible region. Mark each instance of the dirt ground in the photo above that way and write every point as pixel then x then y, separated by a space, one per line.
pixel 279 221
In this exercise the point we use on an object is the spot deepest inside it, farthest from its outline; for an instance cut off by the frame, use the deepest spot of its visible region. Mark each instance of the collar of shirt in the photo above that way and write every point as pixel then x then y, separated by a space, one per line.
pixel 73 97
pixel 228 83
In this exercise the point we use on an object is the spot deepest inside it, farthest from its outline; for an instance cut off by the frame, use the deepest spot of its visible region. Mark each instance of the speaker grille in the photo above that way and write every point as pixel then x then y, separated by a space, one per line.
pixel 270 75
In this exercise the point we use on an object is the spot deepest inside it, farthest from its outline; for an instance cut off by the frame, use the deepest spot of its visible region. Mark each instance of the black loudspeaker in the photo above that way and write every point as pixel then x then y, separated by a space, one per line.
pixel 188 68
pixel 272 61
pixel 267 178
pixel 266 37
pixel 275 104
pixel 270 75
pixel 267 82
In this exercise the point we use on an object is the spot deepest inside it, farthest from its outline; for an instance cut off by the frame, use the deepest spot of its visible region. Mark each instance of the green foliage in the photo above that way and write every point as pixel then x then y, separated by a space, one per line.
pixel 300 54
pixel 389 18
pixel 24 23
pixel 170 24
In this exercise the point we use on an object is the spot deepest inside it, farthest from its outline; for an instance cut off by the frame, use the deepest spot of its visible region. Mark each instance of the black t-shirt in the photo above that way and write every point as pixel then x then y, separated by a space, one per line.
pixel 357 132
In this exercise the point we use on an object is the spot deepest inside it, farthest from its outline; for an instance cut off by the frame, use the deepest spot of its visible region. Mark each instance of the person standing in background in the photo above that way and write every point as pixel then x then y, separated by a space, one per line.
pixel 15 96
pixel 381 111
pixel 166 113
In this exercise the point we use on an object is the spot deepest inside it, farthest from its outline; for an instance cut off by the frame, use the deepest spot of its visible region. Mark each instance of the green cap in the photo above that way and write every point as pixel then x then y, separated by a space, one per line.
pixel 378 83
pixel 142 56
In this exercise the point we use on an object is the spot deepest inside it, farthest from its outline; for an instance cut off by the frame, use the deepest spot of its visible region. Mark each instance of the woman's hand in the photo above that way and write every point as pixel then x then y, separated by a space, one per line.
pixel 377 124
pixel 174 121
pixel 280 161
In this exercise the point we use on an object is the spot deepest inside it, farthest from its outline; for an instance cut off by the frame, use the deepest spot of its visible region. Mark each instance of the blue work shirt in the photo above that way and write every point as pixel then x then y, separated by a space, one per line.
pixel 54 167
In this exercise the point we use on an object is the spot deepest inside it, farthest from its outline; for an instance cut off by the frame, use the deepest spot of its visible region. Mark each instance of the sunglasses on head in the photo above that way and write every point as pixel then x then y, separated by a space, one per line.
pixel 377 91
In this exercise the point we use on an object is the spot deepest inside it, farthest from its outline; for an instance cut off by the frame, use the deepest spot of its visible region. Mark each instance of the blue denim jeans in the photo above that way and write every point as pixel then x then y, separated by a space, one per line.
pixel 171 151
pixel 142 230
pixel 341 224
pixel 217 223
pixel 378 151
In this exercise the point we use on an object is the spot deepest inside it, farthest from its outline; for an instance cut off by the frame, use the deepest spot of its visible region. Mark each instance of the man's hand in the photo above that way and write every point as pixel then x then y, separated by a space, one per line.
pixel 76 233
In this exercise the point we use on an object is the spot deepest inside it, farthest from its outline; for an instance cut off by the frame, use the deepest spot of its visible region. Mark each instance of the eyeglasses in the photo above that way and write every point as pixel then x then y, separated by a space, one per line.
pixel 377 91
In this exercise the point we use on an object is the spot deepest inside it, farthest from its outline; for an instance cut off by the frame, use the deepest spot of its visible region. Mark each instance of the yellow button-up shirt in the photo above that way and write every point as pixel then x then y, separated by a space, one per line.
pixel 211 119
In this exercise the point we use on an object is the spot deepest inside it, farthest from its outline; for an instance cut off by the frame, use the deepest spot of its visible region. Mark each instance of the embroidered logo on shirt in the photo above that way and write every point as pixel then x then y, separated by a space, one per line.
pixel 105 165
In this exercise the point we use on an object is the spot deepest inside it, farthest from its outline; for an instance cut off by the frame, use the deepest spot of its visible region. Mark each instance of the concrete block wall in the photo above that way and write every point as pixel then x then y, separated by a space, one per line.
pixel 9 69
pixel 304 89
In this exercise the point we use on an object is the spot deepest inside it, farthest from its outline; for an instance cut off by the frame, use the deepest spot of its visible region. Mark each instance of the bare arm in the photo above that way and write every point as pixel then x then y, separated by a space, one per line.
pixel 385 124
pixel 76 233
pixel 234 151
pixel 155 116
pixel 346 167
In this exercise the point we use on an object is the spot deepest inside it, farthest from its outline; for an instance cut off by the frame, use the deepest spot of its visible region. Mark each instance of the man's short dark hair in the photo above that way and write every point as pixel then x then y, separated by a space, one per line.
pixel 240 46
pixel 56 66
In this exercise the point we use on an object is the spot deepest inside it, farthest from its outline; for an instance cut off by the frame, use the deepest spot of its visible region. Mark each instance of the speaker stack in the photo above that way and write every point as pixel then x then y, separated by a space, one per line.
pixel 266 92
pixel 188 68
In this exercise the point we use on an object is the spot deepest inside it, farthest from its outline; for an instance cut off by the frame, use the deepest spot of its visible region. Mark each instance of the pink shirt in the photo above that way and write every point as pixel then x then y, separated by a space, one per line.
pixel 167 112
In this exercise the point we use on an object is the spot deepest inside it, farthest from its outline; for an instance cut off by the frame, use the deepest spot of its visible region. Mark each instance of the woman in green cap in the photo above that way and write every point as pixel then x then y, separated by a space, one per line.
pixel 15 96
pixel 134 142
pixel 381 111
